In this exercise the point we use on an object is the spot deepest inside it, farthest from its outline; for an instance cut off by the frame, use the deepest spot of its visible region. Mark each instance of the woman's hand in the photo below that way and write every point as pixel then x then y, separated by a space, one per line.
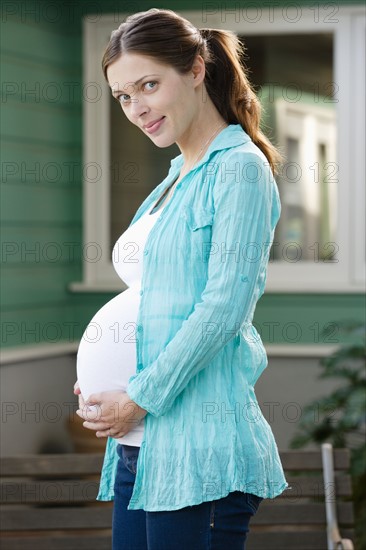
pixel 111 413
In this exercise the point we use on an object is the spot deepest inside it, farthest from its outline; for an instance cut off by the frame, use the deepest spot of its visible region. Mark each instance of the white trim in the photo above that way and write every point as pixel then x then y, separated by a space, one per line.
pixel 98 287
pixel 278 287
pixel 347 24
pixel 343 75
pixel 37 351
pixel 299 350
pixel 358 114
pixel 40 351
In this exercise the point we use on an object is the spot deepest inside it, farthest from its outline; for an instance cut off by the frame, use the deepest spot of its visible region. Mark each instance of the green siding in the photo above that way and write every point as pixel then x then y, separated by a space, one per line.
pixel 41 144
pixel 300 318
pixel 41 208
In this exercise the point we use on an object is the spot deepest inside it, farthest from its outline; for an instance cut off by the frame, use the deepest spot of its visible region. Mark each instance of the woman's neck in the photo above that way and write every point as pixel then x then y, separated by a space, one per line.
pixel 193 144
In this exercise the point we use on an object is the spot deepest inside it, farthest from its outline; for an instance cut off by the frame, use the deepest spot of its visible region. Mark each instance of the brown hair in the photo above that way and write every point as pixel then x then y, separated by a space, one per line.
pixel 173 40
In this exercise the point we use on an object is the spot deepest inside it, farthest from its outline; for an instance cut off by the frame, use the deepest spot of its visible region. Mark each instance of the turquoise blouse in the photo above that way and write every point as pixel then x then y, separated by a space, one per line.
pixel 198 354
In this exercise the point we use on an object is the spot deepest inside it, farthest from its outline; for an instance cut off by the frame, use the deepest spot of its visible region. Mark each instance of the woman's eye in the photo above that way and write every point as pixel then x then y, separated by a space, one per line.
pixel 123 98
pixel 153 84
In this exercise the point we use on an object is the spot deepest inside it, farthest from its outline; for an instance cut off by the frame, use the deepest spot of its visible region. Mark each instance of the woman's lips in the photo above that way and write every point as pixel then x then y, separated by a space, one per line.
pixel 155 126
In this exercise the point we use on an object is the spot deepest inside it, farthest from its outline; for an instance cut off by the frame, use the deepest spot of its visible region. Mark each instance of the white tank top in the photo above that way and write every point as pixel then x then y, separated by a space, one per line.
pixel 106 357
pixel 127 255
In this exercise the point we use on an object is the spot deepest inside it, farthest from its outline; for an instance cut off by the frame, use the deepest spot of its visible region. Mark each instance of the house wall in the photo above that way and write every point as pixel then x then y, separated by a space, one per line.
pixel 37 400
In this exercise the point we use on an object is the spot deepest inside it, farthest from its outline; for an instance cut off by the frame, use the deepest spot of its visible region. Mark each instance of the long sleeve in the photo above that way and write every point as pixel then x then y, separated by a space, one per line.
pixel 246 210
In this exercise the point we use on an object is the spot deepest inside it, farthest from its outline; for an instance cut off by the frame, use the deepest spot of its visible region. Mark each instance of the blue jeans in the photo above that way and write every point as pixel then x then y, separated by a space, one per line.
pixel 215 525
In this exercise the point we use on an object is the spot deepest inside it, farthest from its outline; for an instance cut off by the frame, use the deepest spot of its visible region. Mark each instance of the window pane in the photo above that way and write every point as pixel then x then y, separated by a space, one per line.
pixel 293 76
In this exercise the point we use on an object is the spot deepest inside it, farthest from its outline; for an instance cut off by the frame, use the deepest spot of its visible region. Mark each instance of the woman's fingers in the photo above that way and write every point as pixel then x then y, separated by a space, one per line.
pixel 112 432
pixel 102 430
pixel 90 413
pixel 109 433
pixel 95 398
pixel 103 434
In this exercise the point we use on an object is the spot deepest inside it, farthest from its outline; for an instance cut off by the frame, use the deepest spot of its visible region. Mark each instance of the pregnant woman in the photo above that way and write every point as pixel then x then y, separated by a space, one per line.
pixel 167 369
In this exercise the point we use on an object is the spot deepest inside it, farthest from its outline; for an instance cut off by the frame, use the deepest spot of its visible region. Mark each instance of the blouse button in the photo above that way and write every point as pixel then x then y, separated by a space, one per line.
pixel 146 252
pixel 141 292
pixel 139 328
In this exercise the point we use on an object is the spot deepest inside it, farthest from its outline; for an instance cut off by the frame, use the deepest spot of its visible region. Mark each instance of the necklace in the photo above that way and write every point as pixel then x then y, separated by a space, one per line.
pixel 198 156
pixel 207 142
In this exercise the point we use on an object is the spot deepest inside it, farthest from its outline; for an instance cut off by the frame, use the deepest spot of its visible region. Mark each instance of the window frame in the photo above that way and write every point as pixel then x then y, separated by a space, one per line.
pixel 348 25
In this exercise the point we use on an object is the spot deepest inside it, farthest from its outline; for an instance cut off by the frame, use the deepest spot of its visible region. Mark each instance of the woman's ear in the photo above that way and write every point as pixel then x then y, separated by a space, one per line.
pixel 198 70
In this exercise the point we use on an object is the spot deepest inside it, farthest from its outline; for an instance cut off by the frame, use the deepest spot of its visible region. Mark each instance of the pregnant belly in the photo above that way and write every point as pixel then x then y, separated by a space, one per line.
pixel 106 356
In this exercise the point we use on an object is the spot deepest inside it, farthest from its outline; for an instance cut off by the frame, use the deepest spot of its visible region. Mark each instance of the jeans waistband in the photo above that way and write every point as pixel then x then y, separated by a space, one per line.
pixel 129 450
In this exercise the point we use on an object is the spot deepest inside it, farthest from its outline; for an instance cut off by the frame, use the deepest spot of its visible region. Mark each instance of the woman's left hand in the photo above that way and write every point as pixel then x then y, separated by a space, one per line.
pixel 111 413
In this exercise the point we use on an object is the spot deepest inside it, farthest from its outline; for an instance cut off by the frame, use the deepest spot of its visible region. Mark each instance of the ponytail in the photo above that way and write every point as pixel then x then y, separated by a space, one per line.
pixel 229 88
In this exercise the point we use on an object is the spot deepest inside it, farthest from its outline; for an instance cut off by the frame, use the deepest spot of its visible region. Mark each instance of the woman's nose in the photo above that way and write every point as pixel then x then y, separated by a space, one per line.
pixel 138 107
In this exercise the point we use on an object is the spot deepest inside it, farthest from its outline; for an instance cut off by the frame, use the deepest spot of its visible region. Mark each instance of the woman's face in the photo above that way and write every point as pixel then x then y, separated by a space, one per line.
pixel 155 97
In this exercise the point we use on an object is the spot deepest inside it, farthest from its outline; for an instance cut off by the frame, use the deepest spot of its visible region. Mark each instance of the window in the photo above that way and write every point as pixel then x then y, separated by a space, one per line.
pixel 293 76
pixel 309 73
